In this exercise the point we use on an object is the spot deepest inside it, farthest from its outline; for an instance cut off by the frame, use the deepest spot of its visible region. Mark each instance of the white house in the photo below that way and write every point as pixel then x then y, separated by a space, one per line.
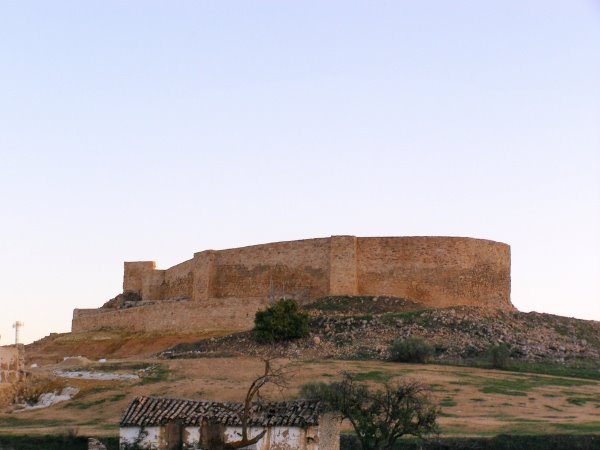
pixel 169 424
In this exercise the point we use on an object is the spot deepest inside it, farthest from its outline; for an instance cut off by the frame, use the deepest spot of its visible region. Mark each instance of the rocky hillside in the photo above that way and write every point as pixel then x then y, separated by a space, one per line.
pixel 363 328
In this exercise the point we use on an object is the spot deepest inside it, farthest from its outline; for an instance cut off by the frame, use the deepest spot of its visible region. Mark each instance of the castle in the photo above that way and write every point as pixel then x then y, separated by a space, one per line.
pixel 223 289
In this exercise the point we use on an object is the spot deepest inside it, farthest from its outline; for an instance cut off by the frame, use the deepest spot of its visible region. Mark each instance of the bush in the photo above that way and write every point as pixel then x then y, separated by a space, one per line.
pixel 29 390
pixel 498 355
pixel 411 349
pixel 280 322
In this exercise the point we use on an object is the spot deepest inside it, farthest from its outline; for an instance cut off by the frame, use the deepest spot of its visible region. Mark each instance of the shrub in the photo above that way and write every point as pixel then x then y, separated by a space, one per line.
pixel 29 390
pixel 280 322
pixel 411 349
pixel 498 355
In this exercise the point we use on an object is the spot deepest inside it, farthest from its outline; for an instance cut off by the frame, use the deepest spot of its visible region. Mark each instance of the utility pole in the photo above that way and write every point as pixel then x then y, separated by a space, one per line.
pixel 17 325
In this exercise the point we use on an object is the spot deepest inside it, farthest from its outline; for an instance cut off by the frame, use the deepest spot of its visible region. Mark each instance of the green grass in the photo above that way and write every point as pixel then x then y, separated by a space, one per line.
pixel 580 369
pixel 578 401
pixel 489 442
pixel 500 390
pixel 116 366
pixel 23 422
pixel 517 385
pixel 374 375
pixel 588 370
pixel 436 387
pixel 156 374
pixel 578 428
pixel 84 405
pixel 447 402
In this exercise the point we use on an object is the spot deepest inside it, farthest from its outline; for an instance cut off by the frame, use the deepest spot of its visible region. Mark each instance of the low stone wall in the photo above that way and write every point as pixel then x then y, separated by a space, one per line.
pixel 168 316
pixel 6 394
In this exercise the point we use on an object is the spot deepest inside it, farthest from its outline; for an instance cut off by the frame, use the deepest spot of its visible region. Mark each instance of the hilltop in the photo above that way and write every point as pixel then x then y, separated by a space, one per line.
pixel 364 327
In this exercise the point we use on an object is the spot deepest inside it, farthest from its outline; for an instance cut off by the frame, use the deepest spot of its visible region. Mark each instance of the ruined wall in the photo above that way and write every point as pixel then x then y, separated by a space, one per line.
pixel 437 272
pixel 184 316
pixel 12 363
pixel 225 288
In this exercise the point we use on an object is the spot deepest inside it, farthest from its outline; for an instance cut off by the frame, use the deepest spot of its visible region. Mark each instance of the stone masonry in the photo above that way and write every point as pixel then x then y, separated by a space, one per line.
pixel 223 289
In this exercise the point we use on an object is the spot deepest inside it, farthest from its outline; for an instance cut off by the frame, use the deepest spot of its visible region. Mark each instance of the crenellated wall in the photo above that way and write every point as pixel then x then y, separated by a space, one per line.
pixel 223 289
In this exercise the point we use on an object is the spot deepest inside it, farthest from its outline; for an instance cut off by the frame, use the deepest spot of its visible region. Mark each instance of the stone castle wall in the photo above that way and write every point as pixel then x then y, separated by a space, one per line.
pixel 223 289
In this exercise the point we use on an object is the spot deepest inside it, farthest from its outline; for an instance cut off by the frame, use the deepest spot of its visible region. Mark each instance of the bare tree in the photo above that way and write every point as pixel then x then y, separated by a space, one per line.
pixel 379 417
pixel 270 375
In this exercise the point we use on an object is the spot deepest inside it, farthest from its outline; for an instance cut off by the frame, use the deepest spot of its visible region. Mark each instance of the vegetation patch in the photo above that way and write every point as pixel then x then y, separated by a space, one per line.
pixel 84 405
pixel 155 374
pixel 23 422
pixel 501 442
pixel 578 401
pixel 281 322
pixel 579 427
pixel 518 385
pixel 118 366
pixel 412 349
pixel 447 402
pixel 374 375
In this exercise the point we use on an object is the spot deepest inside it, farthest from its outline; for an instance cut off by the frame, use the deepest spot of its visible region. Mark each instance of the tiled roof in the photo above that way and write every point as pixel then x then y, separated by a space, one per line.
pixel 152 411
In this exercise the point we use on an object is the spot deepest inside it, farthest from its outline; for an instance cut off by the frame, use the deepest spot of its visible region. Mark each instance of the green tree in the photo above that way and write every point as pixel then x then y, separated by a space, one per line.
pixel 280 322
pixel 379 417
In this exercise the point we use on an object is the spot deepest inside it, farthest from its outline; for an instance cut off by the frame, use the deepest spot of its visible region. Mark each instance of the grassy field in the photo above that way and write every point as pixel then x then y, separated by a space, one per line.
pixel 473 401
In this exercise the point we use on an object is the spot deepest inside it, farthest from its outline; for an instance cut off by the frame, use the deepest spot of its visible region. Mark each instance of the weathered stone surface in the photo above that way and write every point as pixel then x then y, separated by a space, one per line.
pixel 12 363
pixel 456 333
pixel 224 289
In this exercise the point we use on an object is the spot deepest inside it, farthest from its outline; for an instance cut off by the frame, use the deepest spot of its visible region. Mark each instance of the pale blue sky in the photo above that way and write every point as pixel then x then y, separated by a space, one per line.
pixel 150 130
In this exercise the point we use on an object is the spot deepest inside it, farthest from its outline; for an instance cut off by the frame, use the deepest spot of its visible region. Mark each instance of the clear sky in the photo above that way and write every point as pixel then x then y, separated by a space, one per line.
pixel 148 130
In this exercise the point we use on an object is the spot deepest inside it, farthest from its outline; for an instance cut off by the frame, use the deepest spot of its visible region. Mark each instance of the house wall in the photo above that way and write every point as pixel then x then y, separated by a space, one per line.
pixel 276 438
pixel 152 438
pixel 191 437
pixel 324 437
